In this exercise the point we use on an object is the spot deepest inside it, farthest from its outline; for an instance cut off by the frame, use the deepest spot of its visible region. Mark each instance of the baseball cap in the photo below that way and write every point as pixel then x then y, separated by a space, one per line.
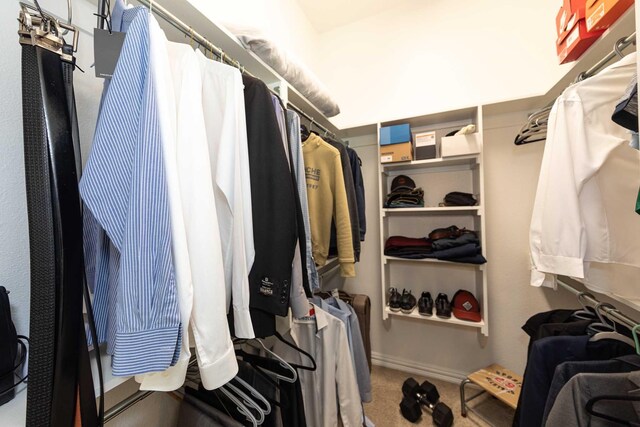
pixel 465 306
pixel 402 182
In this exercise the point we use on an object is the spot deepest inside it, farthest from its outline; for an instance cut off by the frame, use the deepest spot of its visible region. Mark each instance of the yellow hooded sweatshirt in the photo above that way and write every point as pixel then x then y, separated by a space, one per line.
pixel 327 200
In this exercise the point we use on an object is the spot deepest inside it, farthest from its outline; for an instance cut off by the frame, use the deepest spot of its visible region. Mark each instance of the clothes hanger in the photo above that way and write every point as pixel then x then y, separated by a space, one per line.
pixel 299 350
pixel 239 406
pixel 283 363
pixel 634 332
pixel 604 330
pixel 248 403
pixel 266 374
pixel 266 409
pixel 587 312
pixel 211 396
pixel 618 398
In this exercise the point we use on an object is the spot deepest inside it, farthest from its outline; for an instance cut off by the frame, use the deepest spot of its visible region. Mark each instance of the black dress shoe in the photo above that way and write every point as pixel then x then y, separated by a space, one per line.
pixel 443 306
pixel 407 302
pixel 394 300
pixel 425 304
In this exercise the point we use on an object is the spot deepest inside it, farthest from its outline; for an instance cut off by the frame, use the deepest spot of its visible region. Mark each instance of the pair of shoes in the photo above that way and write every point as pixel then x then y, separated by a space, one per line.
pixel 394 300
pixel 405 302
pixel 443 306
pixel 425 304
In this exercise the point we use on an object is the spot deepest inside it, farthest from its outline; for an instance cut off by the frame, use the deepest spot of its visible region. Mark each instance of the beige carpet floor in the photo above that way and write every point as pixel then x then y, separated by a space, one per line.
pixel 384 410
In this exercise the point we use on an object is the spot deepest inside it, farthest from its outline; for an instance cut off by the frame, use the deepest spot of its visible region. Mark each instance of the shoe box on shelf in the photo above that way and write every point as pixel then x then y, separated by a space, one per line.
pixel 395 143
pixel 601 14
pixel 574 38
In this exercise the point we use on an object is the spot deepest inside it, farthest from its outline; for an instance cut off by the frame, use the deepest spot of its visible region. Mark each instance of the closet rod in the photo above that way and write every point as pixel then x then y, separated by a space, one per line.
pixel 612 313
pixel 617 51
pixel 125 404
pixel 202 41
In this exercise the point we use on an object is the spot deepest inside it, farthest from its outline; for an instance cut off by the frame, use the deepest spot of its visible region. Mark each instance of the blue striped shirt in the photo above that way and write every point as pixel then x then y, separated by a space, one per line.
pixel 129 249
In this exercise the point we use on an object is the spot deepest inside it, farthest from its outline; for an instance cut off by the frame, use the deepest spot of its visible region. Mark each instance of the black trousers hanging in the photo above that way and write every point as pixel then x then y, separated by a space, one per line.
pixel 59 369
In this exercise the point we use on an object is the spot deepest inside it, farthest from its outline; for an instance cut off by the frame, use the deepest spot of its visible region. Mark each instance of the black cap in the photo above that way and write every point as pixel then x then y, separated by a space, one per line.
pixel 402 182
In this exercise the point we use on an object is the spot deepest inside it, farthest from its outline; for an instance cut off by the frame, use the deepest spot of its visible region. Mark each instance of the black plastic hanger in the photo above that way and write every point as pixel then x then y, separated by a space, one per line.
pixel 617 398
pixel 299 350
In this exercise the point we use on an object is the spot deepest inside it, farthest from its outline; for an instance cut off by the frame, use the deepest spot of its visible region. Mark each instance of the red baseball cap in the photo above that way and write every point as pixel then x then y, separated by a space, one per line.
pixel 465 306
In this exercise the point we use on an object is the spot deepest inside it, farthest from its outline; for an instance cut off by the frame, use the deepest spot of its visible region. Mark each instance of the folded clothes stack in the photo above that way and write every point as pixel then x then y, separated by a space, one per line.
pixel 408 247
pixel 404 194
pixel 446 244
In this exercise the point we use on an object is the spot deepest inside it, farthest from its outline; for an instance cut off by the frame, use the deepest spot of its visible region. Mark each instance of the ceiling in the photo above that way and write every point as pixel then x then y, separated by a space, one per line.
pixel 329 14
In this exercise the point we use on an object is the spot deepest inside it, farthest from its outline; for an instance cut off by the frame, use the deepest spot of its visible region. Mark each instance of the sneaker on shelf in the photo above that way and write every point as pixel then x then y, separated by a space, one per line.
pixel 425 304
pixel 408 302
pixel 394 299
pixel 443 306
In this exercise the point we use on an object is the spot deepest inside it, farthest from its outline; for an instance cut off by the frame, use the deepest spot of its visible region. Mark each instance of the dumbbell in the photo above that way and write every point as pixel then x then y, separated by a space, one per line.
pixel 426 395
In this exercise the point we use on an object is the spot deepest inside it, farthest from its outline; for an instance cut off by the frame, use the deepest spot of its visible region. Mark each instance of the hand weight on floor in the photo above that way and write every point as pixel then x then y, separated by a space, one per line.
pixel 426 393
pixel 440 413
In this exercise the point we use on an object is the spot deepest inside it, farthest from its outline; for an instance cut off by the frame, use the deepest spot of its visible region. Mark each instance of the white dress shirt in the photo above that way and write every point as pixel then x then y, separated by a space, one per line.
pixel 583 223
pixel 202 299
pixel 225 122
pixel 330 393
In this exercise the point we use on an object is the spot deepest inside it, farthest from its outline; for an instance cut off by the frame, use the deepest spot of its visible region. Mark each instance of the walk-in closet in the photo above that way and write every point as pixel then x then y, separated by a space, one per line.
pixel 317 214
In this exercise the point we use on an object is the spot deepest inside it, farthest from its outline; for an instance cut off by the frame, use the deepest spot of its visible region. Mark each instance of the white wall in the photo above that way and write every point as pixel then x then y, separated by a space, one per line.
pixel 436 55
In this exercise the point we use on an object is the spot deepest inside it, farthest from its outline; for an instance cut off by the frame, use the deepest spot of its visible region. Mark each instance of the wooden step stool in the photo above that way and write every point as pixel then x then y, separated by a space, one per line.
pixel 499 382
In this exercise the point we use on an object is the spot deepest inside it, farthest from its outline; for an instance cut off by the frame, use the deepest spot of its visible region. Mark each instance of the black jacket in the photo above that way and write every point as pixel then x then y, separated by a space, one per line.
pixel 351 202
pixel 358 182
pixel 274 210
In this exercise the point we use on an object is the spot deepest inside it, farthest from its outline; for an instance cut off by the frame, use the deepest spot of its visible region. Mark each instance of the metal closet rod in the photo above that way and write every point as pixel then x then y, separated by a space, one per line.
pixel 612 313
pixel 202 41
pixel 619 46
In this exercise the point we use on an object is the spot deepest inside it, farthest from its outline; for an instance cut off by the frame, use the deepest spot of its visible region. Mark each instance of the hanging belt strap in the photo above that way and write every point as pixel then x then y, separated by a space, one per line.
pixel 55 233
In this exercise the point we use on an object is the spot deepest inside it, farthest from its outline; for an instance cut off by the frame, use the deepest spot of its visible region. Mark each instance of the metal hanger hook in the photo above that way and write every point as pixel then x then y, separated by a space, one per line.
pixel 603 319
pixel 582 295
pixel 617 47
pixel 69 16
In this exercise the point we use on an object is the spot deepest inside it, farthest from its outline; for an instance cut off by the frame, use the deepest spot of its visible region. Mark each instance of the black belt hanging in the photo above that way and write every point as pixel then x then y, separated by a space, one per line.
pixel 59 369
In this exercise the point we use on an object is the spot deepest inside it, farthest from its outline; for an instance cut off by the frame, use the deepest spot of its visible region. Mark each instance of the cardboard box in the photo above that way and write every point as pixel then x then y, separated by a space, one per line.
pixel 396 153
pixel 425 145
pixel 573 37
pixel 396 134
pixel 460 145
pixel 601 14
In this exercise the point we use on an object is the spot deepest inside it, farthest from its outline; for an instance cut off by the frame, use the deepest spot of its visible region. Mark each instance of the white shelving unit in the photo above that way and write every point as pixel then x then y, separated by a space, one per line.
pixel 437 177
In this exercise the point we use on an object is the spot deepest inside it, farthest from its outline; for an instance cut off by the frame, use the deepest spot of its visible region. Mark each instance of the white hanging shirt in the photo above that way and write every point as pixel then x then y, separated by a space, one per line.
pixel 330 393
pixel 583 223
pixel 225 121
pixel 201 290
